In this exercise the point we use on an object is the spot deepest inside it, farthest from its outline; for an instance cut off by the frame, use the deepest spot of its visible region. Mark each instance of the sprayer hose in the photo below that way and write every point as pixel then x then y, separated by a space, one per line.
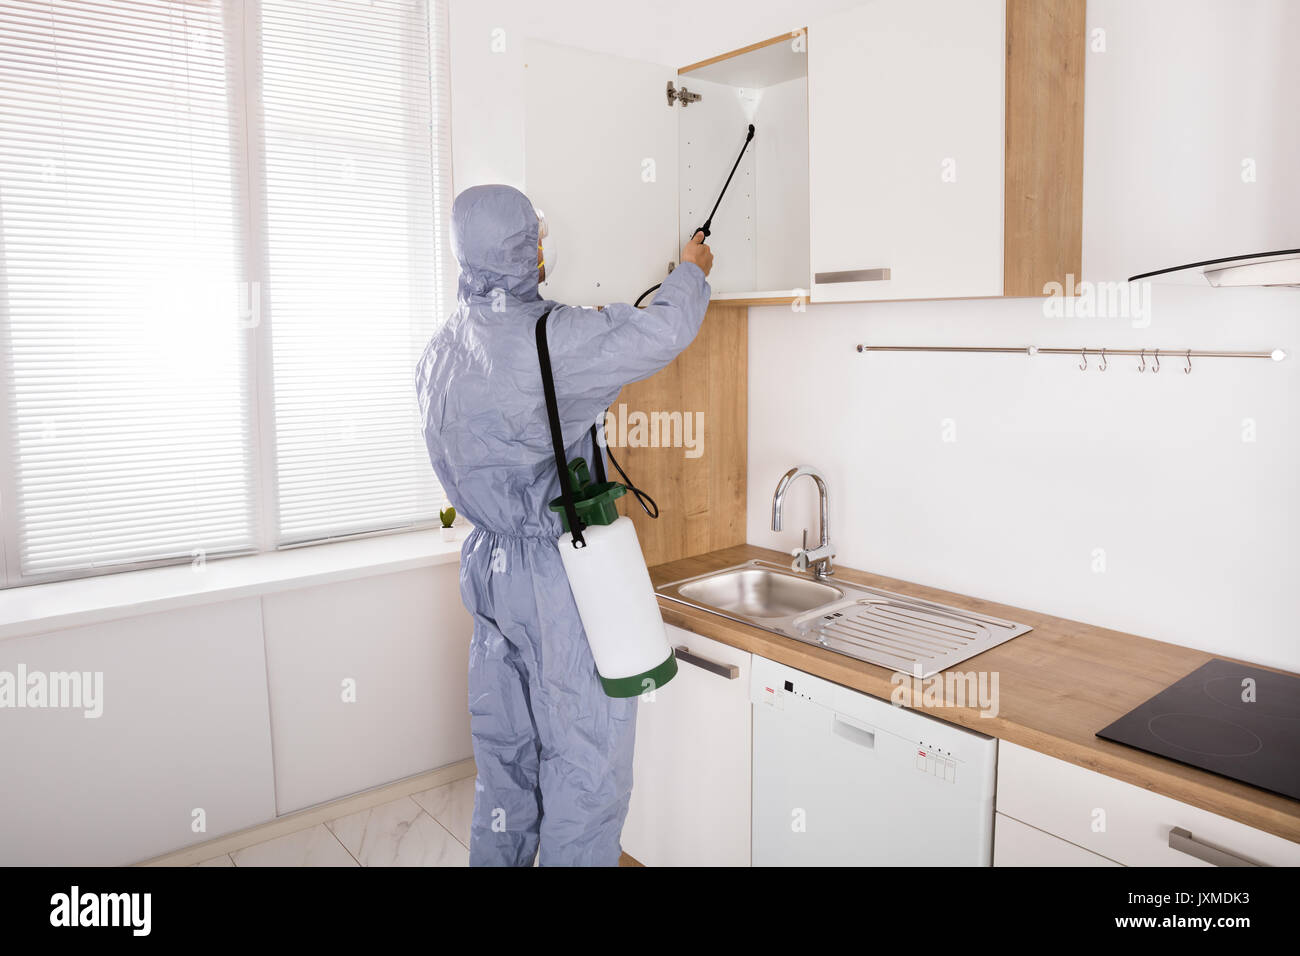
pixel 637 303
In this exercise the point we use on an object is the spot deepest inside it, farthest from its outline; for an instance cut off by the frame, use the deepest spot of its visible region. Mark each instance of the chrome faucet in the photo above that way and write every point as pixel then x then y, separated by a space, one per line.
pixel 819 558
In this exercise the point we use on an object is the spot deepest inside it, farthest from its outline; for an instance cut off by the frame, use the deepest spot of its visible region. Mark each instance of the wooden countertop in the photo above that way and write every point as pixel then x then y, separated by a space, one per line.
pixel 1058 685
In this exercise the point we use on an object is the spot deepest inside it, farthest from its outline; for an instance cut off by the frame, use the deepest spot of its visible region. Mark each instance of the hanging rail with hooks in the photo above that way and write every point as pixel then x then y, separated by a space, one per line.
pixel 1102 355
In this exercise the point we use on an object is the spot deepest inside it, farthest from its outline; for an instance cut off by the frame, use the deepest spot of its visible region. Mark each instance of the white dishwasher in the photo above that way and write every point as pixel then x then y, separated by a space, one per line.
pixel 845 779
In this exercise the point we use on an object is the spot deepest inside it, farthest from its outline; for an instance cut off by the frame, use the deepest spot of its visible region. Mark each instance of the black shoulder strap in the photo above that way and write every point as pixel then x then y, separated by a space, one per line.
pixel 557 436
pixel 597 456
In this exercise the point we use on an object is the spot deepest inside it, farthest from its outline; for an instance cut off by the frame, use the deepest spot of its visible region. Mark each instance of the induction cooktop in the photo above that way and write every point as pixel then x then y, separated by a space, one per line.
pixel 1231 719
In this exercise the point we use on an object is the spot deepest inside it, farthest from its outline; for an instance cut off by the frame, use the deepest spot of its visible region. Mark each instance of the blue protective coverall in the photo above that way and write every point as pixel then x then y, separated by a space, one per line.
pixel 554 753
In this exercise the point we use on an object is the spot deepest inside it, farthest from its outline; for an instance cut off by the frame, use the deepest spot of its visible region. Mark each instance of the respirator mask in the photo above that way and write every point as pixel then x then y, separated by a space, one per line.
pixel 545 249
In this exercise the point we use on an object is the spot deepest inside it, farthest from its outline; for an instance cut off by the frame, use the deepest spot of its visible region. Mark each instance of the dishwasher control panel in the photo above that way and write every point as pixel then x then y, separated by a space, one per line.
pixel 936 761
pixel 775 689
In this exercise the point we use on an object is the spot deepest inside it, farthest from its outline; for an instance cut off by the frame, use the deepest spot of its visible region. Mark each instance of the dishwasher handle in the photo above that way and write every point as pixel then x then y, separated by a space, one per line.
pixel 854 732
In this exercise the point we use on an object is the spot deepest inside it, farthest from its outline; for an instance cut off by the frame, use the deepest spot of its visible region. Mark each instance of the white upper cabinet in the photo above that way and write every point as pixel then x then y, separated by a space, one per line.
pixel 760 231
pixel 906 104
pixel 600 159
pixel 902 150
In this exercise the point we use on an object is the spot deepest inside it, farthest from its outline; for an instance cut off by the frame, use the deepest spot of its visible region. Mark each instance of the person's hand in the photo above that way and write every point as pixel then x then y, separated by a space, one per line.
pixel 697 252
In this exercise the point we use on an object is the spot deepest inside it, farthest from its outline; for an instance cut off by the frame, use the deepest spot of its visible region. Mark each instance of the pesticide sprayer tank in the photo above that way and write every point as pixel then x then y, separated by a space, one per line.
pixel 619 612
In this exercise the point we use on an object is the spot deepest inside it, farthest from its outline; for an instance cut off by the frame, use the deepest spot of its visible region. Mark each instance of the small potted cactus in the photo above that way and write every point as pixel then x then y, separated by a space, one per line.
pixel 448 516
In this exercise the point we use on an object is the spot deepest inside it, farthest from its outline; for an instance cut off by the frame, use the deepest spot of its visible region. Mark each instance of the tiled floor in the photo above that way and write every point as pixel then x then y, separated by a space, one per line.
pixel 430 828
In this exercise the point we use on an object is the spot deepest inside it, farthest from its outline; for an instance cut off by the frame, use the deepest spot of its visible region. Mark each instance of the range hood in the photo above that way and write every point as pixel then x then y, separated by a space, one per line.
pixel 1280 268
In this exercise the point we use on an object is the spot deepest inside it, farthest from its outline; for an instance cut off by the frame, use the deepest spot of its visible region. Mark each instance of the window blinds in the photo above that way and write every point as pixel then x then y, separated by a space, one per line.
pixel 222 248
pixel 355 202
pixel 120 301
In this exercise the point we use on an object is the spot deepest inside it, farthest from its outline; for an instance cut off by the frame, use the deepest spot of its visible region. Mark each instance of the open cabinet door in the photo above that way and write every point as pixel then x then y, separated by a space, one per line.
pixel 600 159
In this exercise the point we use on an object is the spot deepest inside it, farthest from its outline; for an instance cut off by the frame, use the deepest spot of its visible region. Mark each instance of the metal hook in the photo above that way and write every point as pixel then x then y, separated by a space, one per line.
pixel 1157 365
pixel 1104 365
pixel 1143 366
pixel 1084 352
pixel 1188 370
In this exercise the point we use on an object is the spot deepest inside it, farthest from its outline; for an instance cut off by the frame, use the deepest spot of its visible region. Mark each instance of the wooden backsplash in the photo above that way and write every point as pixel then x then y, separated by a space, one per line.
pixel 701 499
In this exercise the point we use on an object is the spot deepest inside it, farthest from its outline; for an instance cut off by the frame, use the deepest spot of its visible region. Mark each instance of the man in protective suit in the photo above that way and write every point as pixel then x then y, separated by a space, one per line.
pixel 554 753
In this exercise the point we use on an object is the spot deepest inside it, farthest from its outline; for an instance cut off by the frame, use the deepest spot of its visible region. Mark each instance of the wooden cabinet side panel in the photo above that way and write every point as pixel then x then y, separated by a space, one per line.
pixel 1043 220
pixel 700 492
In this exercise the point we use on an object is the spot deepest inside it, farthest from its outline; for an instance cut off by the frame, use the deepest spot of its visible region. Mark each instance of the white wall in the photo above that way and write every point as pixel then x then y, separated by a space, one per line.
pixel 1198 527
pixel 1049 463
pixel 1186 92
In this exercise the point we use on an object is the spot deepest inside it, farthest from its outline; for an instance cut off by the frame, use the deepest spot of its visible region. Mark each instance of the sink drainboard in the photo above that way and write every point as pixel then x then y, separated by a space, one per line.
pixel 914 638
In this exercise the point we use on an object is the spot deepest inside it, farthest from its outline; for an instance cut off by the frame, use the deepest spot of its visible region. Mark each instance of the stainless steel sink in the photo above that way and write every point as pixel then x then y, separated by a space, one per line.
pixel 905 634
pixel 758 592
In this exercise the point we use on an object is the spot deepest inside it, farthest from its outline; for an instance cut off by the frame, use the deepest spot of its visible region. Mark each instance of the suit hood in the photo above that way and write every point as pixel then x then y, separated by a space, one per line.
pixel 494 233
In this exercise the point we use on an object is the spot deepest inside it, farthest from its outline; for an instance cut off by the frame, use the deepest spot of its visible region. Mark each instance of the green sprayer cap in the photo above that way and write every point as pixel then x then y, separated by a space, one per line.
pixel 594 502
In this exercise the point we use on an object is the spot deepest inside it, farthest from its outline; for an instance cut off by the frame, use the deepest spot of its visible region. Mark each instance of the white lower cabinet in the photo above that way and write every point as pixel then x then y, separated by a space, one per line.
pixel 1018 844
pixel 367 681
pixel 176 750
pixel 1116 820
pixel 690 794
pixel 188 739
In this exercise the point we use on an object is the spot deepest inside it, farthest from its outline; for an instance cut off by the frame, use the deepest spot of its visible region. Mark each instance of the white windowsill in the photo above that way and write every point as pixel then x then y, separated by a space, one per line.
pixel 61 604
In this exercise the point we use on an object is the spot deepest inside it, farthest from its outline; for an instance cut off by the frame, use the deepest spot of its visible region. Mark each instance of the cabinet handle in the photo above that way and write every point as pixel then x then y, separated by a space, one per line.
pixel 853 275
pixel 1183 841
pixel 729 671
